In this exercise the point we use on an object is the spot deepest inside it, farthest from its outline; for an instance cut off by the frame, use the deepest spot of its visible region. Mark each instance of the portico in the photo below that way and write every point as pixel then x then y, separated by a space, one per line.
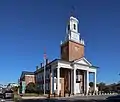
pixel 75 75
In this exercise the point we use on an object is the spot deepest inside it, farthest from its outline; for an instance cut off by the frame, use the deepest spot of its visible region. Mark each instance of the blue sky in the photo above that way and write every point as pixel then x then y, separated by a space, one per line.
pixel 29 26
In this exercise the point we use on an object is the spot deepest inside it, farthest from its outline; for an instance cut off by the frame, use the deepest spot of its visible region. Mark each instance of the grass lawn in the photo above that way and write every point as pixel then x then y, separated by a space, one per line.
pixel 32 94
pixel 17 97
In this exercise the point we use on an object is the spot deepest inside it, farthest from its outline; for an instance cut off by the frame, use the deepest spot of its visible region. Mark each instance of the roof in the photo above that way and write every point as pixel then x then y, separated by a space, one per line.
pixel 26 73
pixel 46 65
pixel 42 68
pixel 83 59
pixel 86 62
pixel 75 61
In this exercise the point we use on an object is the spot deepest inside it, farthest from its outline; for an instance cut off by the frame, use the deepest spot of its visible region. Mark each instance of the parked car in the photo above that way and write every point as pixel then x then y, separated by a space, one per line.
pixel 1 92
pixel 8 94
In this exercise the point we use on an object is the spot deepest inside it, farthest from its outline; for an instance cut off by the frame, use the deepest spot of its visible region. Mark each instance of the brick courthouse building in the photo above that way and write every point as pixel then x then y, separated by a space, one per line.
pixel 71 71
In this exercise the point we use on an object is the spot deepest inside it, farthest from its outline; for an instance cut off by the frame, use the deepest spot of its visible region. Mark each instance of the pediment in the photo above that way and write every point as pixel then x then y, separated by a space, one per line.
pixel 83 61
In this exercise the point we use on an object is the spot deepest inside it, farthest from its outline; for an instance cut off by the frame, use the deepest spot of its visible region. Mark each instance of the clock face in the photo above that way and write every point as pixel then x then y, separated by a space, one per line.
pixel 76 48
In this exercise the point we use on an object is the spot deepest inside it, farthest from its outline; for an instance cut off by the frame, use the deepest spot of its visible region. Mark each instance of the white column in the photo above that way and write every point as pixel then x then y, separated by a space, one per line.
pixel 58 80
pixel 87 82
pixel 84 81
pixel 52 81
pixel 74 80
pixel 94 81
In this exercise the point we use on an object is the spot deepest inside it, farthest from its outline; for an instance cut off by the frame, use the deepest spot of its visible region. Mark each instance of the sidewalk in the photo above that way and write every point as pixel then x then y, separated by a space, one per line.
pixel 33 97
pixel 72 96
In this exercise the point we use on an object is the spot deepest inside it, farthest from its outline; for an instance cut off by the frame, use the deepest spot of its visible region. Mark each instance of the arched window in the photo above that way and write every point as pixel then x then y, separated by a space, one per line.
pixel 74 27
pixel 68 27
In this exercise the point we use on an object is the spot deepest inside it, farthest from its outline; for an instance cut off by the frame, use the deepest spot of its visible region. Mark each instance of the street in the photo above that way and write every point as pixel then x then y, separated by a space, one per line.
pixel 101 98
pixel 6 100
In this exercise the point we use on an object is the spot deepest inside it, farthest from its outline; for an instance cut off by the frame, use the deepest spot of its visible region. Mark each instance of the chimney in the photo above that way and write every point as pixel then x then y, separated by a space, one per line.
pixel 41 65
pixel 36 67
pixel 47 61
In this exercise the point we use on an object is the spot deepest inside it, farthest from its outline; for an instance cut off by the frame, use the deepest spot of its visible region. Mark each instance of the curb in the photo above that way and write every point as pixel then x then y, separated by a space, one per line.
pixel 34 97
pixel 72 96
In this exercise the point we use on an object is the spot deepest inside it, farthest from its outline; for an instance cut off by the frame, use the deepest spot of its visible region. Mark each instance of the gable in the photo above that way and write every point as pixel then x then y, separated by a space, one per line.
pixel 83 61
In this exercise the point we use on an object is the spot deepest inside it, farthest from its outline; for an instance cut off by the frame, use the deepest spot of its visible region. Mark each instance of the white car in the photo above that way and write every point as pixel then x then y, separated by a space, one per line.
pixel 2 100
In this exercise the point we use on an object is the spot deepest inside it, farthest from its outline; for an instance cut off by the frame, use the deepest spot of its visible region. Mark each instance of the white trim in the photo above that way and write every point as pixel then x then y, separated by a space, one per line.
pixel 65 65
pixel 83 58
pixel 74 81
pixel 87 82
pixel 52 81
pixel 58 80
pixel 92 70
pixel 95 81
pixel 30 75
pixel 73 18
pixel 81 67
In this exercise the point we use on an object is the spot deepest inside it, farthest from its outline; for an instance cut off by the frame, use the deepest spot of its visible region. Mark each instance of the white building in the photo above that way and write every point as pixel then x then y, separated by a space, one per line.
pixel 71 71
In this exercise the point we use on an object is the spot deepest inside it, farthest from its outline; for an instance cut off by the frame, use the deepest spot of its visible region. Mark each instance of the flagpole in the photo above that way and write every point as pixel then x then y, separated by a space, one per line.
pixel 44 70
pixel 44 76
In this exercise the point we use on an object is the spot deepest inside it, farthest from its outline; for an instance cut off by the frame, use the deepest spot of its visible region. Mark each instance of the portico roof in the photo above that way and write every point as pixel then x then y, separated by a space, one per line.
pixel 83 61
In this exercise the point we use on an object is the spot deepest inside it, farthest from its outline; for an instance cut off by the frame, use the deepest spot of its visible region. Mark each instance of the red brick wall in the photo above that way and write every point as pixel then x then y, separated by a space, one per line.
pixel 71 51
pixel 30 78
pixel 64 75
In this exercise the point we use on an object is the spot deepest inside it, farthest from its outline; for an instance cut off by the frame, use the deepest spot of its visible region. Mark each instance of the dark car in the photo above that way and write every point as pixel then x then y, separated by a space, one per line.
pixel 1 95
pixel 8 94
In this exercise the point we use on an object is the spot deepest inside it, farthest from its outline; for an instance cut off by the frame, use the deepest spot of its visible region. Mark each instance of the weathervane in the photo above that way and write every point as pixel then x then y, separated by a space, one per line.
pixel 73 11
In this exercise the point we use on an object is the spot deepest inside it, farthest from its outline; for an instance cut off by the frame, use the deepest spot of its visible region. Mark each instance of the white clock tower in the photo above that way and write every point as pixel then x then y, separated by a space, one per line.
pixel 72 30
pixel 73 46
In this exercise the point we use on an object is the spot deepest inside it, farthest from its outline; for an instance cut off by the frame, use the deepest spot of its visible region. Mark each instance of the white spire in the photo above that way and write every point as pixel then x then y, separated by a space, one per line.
pixel 61 42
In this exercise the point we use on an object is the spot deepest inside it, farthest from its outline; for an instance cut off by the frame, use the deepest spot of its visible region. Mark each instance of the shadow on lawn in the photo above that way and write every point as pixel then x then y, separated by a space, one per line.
pixel 56 100
pixel 109 99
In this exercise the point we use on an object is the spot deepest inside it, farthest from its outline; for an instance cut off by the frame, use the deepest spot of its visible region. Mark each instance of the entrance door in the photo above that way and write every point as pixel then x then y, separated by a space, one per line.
pixel 77 87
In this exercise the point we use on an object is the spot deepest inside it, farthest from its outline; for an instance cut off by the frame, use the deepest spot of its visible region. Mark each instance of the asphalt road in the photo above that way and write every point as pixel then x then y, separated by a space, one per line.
pixel 6 100
pixel 101 98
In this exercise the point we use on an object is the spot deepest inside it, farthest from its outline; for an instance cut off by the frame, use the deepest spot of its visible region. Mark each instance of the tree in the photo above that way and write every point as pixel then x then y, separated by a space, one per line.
pixel 101 86
pixel 31 88
pixel 114 87
pixel 91 84
pixel 15 88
